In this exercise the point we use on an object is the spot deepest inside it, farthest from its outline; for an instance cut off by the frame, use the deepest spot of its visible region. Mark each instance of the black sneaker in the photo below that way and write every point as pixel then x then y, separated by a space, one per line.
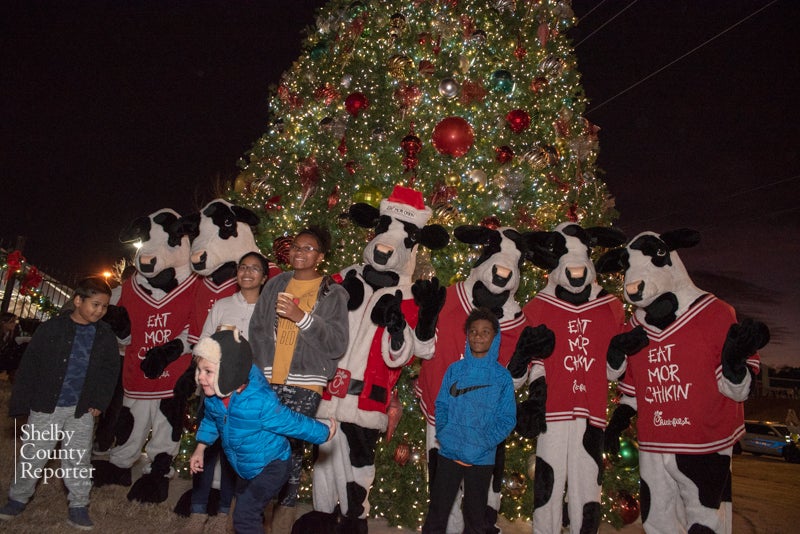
pixel 11 510
pixel 79 518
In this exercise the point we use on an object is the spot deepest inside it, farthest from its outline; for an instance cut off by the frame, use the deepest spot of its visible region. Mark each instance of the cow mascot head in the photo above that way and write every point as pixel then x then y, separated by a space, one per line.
pixel 220 234
pixel 687 386
pixel 162 255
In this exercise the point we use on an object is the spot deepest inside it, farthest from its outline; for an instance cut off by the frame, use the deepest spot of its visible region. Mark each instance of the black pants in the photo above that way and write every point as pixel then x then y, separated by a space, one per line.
pixel 444 487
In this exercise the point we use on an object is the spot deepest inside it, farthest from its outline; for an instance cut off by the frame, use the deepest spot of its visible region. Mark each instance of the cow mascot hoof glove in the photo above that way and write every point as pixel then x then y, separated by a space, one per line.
pixel 391 319
pixel 686 383
pixel 492 283
pixel 563 361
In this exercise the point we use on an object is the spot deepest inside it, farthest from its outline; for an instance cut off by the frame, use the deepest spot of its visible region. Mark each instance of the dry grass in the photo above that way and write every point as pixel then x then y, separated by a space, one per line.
pixel 109 509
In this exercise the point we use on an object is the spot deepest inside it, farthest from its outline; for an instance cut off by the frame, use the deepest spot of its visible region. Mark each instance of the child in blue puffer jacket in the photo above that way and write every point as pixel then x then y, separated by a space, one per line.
pixel 475 412
pixel 242 410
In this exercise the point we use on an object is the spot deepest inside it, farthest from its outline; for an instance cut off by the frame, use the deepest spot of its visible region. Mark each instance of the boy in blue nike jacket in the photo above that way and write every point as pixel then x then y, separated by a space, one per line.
pixel 242 410
pixel 475 412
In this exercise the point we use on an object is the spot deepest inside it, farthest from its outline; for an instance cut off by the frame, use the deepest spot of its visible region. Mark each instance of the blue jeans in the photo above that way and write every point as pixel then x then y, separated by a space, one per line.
pixel 254 494
pixel 202 481
pixel 306 402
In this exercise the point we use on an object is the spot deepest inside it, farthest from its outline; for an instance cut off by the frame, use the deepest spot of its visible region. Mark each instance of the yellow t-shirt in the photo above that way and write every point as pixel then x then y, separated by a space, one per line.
pixel 286 337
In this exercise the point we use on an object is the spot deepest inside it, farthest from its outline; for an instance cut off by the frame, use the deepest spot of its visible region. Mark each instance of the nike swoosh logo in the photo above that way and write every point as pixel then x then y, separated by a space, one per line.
pixel 455 392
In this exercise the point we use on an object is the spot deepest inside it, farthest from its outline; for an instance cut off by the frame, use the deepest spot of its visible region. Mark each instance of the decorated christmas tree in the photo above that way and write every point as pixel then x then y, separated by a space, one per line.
pixel 477 104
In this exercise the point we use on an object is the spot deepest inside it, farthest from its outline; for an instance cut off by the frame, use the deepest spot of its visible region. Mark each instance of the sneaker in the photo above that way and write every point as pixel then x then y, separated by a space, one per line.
pixel 79 518
pixel 11 510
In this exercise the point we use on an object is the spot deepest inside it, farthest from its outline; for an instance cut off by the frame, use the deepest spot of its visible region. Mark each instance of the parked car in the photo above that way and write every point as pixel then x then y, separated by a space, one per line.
pixel 765 437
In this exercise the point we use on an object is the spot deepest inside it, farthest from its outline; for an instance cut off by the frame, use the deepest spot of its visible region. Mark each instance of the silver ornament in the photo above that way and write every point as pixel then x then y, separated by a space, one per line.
pixel 448 88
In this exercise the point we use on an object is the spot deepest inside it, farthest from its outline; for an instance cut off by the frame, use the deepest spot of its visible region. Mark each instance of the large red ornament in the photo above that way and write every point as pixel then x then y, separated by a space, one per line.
pixel 355 103
pixel 453 136
pixel 518 120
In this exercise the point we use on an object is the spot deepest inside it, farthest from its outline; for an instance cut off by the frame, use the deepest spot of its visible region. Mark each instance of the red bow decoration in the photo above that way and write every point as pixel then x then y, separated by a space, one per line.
pixel 14 260
pixel 32 280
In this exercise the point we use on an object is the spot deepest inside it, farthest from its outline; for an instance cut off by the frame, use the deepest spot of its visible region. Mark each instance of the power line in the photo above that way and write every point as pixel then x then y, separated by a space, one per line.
pixel 592 11
pixel 609 20
pixel 723 32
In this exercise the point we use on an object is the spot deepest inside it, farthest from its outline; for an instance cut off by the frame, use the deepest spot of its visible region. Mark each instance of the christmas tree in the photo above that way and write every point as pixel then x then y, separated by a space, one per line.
pixel 477 104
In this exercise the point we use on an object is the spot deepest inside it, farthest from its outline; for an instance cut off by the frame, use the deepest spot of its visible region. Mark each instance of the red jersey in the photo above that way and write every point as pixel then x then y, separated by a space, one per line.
pixel 206 295
pixel 674 381
pixel 450 343
pixel 155 322
pixel 577 386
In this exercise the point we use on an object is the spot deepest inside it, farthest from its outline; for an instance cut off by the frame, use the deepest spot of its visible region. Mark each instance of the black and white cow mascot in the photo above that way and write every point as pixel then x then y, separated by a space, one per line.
pixel 390 321
pixel 220 234
pixel 492 283
pixel 687 386
pixel 159 299
pixel 563 361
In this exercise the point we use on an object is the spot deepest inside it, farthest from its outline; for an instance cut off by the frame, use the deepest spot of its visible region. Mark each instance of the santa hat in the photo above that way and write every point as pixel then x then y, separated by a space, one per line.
pixel 406 204
pixel 233 355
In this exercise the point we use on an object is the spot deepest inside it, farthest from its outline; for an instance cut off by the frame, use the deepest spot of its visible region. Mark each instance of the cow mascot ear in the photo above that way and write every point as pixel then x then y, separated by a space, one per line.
pixel 245 215
pixel 364 215
pixel 434 236
pixel 681 238
pixel 474 235
pixel 137 230
pixel 613 261
pixel 188 225
pixel 544 248
pixel 600 236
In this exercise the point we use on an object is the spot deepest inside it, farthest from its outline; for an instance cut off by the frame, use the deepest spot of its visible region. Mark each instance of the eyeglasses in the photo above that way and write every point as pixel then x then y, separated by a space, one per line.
pixel 305 249
pixel 252 268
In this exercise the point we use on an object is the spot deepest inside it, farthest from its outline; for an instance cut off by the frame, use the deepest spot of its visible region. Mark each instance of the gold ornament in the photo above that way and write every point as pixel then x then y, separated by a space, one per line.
pixel 368 195
pixel 515 484
pixel 240 184
pixel 398 65
pixel 261 186
pixel 444 214
pixel 477 176
pixel 453 180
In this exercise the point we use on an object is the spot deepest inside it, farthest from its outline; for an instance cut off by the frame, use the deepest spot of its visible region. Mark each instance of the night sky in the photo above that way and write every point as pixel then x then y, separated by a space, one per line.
pixel 113 110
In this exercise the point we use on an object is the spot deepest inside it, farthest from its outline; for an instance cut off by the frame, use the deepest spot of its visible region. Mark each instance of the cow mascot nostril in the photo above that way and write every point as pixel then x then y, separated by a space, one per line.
pixel 391 319
pixel 492 283
pixel 159 299
pixel 562 359
pixel 687 386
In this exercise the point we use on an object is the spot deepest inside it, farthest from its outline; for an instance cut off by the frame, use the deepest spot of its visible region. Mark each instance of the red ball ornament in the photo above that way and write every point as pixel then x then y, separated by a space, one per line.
pixel 503 154
pixel 453 136
pixel 538 84
pixel 518 120
pixel 627 506
pixel 280 249
pixel 355 103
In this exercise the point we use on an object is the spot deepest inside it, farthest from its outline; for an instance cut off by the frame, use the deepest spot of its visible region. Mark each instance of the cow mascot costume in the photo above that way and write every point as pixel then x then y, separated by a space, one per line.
pixel 220 234
pixel 492 283
pixel 563 361
pixel 687 386
pixel 390 321
pixel 159 299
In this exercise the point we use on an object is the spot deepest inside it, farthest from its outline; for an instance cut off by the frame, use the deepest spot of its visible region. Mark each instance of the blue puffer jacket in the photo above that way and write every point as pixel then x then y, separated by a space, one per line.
pixel 253 426
pixel 475 408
